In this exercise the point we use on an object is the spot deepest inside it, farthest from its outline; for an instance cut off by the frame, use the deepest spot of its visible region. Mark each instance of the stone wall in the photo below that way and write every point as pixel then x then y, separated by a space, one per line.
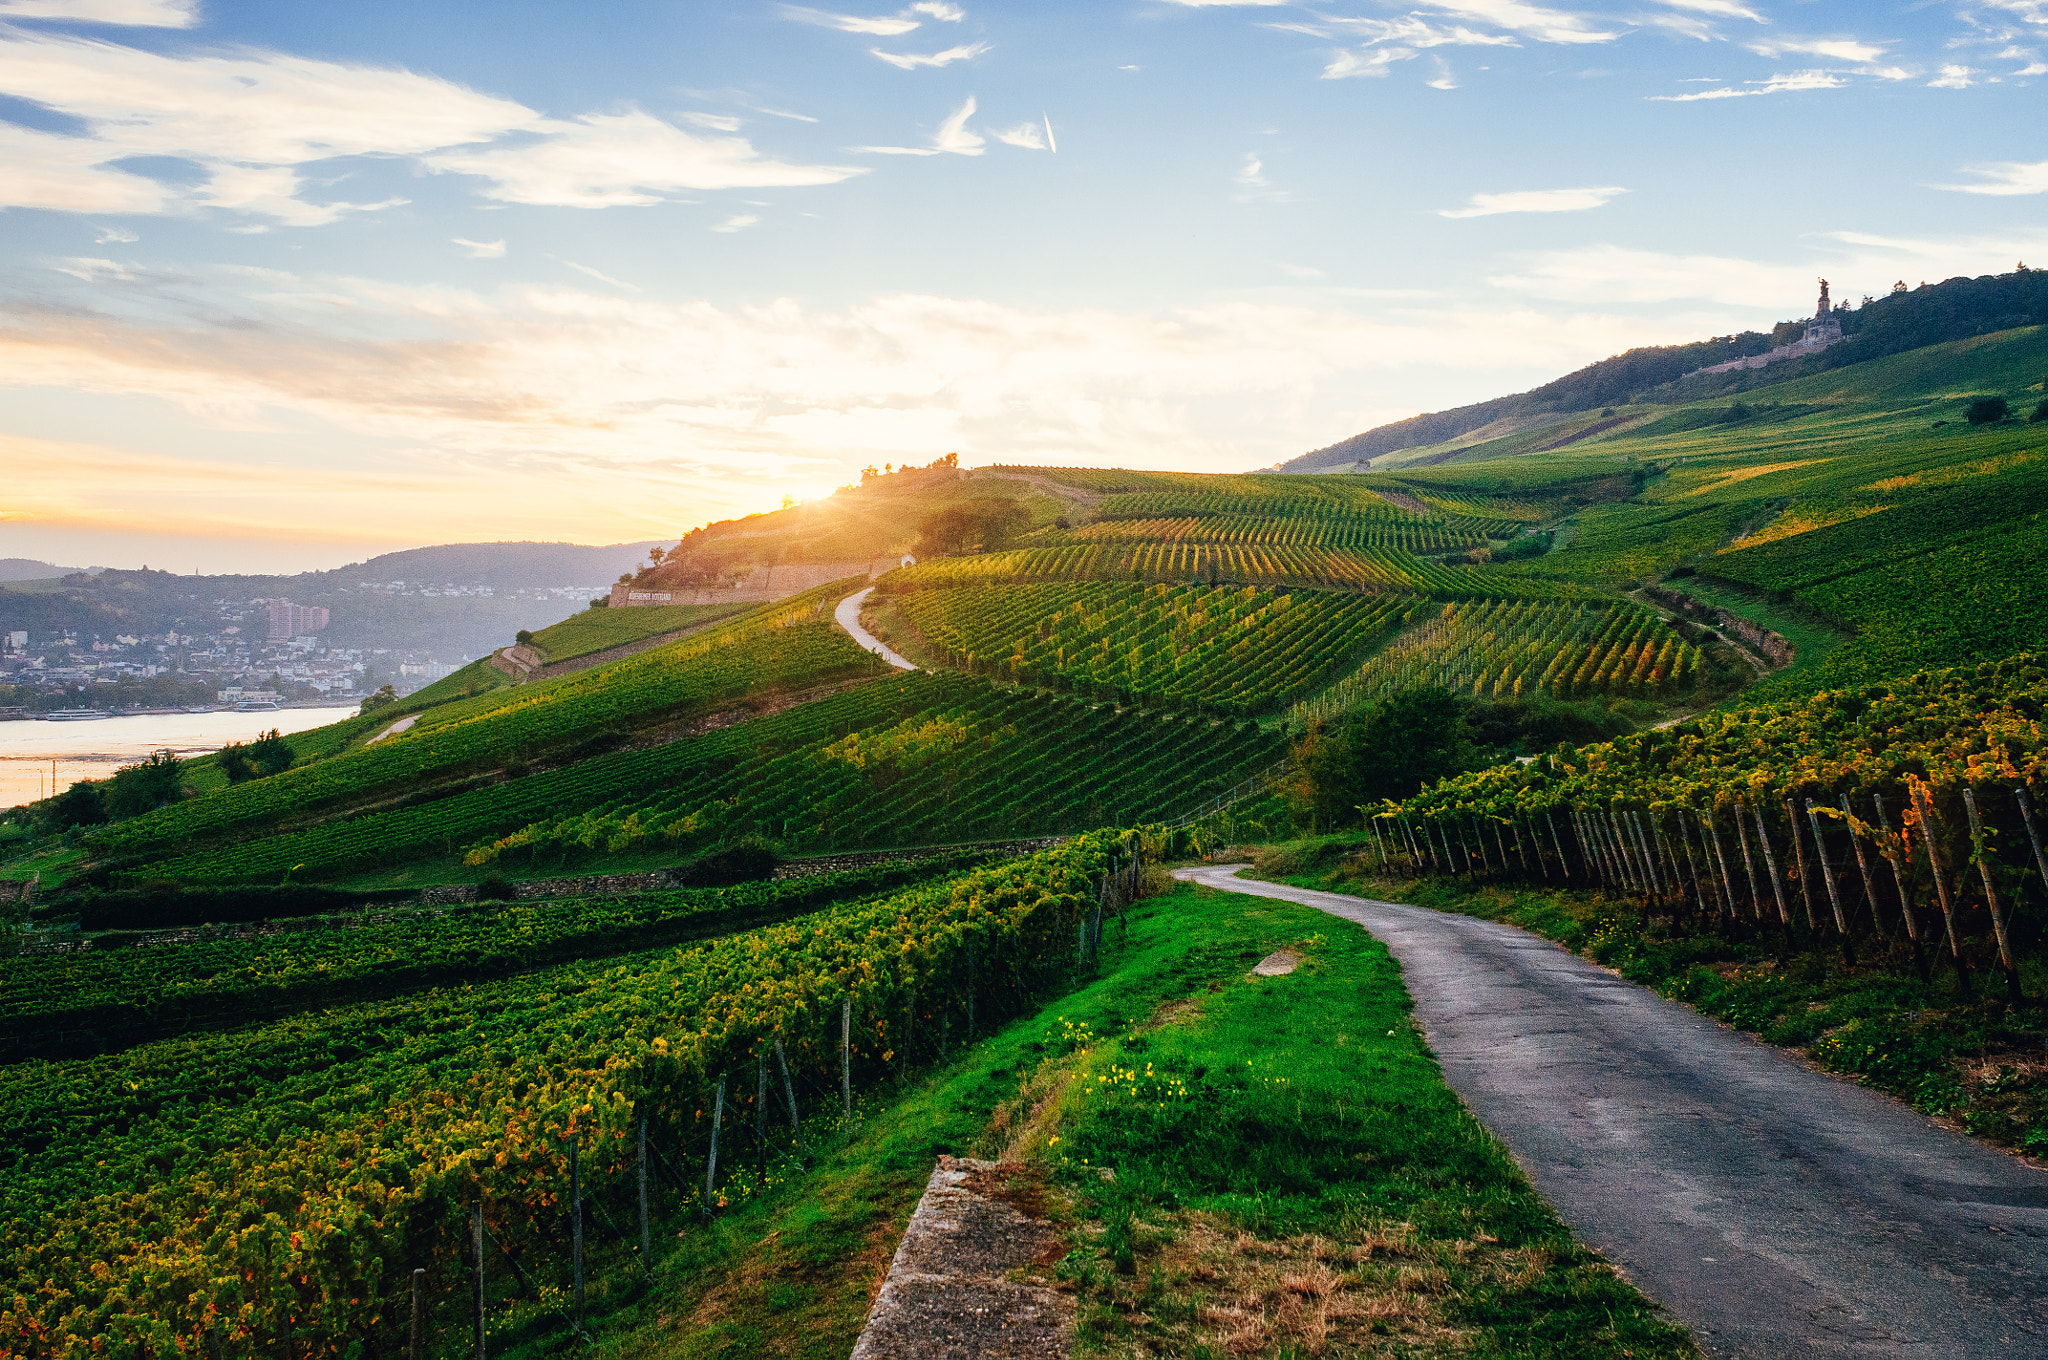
pixel 1772 646
pixel 764 584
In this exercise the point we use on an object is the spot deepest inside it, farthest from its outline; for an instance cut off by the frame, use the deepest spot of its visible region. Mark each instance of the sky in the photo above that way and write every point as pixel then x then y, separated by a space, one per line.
pixel 284 285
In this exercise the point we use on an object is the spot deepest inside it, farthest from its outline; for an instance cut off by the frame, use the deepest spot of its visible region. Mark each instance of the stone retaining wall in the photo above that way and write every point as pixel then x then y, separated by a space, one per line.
pixel 1773 646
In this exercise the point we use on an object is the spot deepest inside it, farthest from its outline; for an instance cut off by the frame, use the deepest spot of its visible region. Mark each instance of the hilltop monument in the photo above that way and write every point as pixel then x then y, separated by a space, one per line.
pixel 1825 329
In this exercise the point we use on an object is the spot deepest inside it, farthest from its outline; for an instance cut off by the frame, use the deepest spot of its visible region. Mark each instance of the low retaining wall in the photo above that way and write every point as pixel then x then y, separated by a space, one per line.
pixel 1773 646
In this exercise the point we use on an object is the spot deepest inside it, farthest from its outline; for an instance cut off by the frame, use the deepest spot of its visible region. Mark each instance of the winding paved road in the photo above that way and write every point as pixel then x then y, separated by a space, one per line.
pixel 1775 1210
pixel 847 616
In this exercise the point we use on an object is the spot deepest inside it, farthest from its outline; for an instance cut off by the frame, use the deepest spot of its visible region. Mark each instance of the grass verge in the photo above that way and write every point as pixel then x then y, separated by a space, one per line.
pixel 1291 1174
pixel 1964 1056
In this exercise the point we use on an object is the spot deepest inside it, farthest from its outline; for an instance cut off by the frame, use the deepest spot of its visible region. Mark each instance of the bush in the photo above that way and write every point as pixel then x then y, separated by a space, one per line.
pixel 1987 410
pixel 267 755
pixel 2040 412
pixel 145 787
pixel 384 696
pixel 741 862
pixel 495 888
pixel 523 636
pixel 79 805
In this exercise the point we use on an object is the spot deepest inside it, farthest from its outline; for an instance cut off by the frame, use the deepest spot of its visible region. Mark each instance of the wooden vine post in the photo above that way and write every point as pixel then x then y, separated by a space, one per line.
pixel 1564 865
pixel 576 1216
pixel 2005 959
pixel 417 1343
pixel 1924 805
pixel 789 1091
pixel 1862 866
pixel 846 1057
pixel 1727 879
pixel 1799 861
pixel 1756 894
pixel 1895 854
pixel 1820 850
pixel 476 1224
pixel 711 1163
pixel 2033 837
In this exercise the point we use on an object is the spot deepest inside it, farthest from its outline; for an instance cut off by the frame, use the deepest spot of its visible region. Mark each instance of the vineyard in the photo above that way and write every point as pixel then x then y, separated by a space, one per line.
pixel 594 630
pixel 109 997
pixel 1389 570
pixel 972 762
pixel 1504 649
pixel 272 1190
pixel 684 679
pixel 1346 533
pixel 1904 810
pixel 1231 652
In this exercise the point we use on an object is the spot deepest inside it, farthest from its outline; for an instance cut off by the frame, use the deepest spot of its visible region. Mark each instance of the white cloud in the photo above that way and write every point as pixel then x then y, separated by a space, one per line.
pixel 1374 61
pixel 850 23
pixel 1444 80
pixel 938 9
pixel 1254 187
pixel 2033 68
pixel 603 278
pixel 1601 275
pixel 128 13
pixel 115 236
pixel 1798 80
pixel 910 61
pixel 1724 9
pixel 614 159
pixel 1409 30
pixel 714 122
pixel 249 121
pixel 1534 201
pixel 2005 177
pixel 1841 49
pixel 1953 77
pixel 482 250
pixel 676 410
pixel 1226 4
pixel 1531 21
pixel 737 222
pixel 1027 135
pixel 953 136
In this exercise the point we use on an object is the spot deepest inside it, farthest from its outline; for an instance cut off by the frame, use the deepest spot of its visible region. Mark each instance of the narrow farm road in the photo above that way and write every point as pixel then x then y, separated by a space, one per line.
pixel 1773 1209
pixel 847 616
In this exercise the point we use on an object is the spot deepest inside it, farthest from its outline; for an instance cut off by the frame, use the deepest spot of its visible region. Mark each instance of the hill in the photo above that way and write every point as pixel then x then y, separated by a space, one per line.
pixel 1931 314
pixel 28 569
pixel 506 566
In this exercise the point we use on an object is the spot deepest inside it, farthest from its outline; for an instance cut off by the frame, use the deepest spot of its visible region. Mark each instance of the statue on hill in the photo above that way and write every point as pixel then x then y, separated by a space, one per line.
pixel 1823 309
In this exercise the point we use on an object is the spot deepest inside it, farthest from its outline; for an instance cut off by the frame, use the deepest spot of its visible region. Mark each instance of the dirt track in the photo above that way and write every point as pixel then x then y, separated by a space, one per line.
pixel 1774 1209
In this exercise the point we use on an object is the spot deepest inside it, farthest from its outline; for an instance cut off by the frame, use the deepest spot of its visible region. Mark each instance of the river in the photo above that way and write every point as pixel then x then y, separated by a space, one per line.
pixel 94 750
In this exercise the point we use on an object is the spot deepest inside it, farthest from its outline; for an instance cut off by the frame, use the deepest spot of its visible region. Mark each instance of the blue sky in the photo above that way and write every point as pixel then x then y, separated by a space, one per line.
pixel 286 284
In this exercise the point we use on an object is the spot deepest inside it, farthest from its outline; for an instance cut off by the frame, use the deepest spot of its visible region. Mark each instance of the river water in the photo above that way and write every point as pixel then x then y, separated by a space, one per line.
pixel 94 750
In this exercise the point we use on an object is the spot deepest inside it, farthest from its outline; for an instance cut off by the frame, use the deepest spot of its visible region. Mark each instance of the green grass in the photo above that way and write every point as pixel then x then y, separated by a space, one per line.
pixel 1947 1051
pixel 1364 1150
pixel 594 630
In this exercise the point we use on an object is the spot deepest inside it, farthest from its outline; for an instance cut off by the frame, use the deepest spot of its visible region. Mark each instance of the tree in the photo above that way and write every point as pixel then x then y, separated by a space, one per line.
pixel 384 696
pixel 1388 749
pixel 2040 412
pixel 79 805
pixel 269 754
pixel 655 555
pixel 988 525
pixel 144 787
pixel 523 637
pixel 1987 411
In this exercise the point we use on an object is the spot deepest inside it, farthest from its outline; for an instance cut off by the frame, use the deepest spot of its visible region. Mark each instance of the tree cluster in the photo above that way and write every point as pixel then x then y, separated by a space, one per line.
pixel 987 525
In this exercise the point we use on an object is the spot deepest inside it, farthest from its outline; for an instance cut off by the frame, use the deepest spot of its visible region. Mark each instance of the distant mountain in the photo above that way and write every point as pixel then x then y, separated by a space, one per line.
pixel 1931 314
pixel 28 569
pixel 513 566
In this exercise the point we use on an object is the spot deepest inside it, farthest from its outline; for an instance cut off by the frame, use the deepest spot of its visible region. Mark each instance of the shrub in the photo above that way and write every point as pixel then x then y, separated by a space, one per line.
pixel 2040 412
pixel 1987 410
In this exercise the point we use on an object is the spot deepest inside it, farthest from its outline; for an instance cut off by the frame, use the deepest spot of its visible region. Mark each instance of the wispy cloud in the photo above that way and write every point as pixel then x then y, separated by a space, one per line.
pixel 1253 186
pixel 1535 201
pixel 618 159
pixel 714 122
pixel 1026 135
pixel 737 222
pixel 1720 9
pixel 953 137
pixel 1953 77
pixel 1531 21
pixel 603 277
pixel 910 61
pixel 481 250
pixel 893 26
pixel 1796 81
pixel 126 13
pixel 115 236
pixel 1841 49
pixel 2002 178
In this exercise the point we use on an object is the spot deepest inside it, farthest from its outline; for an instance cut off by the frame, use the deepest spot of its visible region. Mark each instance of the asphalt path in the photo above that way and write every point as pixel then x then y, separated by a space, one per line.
pixel 847 616
pixel 1774 1209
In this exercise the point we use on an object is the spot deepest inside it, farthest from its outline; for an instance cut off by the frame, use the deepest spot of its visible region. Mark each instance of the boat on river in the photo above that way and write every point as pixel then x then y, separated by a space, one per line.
pixel 76 715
